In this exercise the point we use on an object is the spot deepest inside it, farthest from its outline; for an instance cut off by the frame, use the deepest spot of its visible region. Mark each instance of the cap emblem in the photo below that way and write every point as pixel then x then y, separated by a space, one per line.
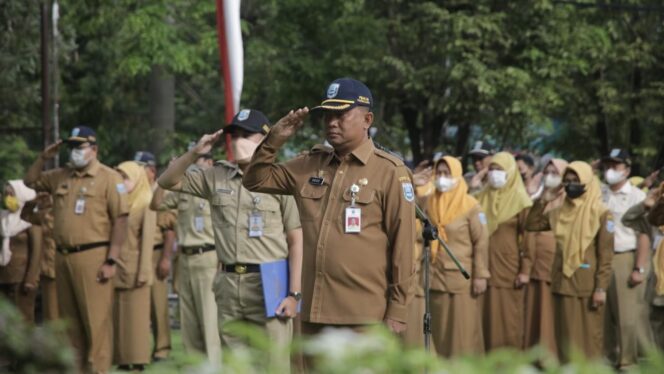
pixel 243 115
pixel 333 90
pixel 75 131
pixel 615 152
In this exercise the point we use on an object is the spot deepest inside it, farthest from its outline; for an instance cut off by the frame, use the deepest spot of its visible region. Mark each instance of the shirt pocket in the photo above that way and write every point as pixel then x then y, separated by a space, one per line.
pixel 184 203
pixel 222 202
pixel 370 213
pixel 60 199
pixel 271 212
pixel 311 201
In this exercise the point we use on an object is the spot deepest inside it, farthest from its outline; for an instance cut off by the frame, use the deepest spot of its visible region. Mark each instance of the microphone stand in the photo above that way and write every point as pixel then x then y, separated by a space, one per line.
pixel 429 234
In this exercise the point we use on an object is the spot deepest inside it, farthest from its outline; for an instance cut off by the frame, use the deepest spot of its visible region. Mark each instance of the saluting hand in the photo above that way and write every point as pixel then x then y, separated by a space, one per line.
pixel 206 143
pixel 290 123
pixel 51 150
pixel 422 173
pixel 651 198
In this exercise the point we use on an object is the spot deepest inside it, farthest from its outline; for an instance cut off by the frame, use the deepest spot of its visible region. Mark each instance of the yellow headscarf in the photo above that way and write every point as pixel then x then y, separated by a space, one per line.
pixel 139 198
pixel 445 207
pixel 501 204
pixel 577 221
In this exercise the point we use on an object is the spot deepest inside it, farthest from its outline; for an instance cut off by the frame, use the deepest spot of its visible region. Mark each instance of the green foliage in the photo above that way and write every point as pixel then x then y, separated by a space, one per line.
pixel 30 349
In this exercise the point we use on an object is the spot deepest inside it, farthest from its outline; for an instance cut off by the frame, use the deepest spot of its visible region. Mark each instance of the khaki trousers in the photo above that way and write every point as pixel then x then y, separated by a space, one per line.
pixel 628 334
pixel 578 326
pixel 49 299
pixel 540 324
pixel 504 319
pixel 240 299
pixel 198 309
pixel 131 313
pixel 456 324
pixel 86 305
pixel 159 316
pixel 413 337
pixel 24 301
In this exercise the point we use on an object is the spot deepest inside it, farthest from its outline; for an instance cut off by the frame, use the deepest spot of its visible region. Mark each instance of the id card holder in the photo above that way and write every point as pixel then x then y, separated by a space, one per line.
pixel 79 207
pixel 199 223
pixel 255 224
pixel 353 220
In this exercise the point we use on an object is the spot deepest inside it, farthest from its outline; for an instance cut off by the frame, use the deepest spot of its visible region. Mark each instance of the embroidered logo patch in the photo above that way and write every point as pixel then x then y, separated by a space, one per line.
pixel 482 218
pixel 243 115
pixel 408 191
pixel 610 226
pixel 333 90
pixel 120 187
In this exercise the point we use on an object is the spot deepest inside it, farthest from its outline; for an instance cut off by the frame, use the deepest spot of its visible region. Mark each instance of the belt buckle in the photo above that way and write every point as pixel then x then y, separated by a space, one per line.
pixel 240 269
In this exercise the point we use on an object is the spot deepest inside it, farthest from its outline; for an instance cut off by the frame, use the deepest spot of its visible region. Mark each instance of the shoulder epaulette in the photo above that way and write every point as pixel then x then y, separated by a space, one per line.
pixel 318 148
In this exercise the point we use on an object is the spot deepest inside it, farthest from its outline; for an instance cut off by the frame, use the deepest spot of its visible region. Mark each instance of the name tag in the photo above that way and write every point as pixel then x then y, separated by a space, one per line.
pixel 316 181
pixel 353 221
pixel 255 225
pixel 79 207
pixel 199 223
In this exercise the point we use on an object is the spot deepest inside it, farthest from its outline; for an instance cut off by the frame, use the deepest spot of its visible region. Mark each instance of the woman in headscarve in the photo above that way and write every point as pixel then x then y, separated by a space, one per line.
pixel 583 229
pixel 20 256
pixel 542 244
pixel 134 275
pixel 455 309
pixel 505 202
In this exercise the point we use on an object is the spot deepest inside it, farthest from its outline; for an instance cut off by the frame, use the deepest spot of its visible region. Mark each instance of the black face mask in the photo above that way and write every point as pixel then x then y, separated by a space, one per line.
pixel 574 190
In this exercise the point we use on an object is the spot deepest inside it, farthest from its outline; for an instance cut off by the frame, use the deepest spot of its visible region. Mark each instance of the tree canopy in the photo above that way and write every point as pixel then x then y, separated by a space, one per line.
pixel 570 78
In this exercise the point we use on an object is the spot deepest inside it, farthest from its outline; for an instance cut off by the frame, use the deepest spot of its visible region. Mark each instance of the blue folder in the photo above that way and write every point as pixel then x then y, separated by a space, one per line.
pixel 274 276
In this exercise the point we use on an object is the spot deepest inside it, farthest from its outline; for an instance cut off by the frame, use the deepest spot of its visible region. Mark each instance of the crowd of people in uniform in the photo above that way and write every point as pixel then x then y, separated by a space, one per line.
pixel 556 257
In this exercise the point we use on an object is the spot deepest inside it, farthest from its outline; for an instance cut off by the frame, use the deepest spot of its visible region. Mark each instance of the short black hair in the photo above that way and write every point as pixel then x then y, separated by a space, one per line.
pixel 527 159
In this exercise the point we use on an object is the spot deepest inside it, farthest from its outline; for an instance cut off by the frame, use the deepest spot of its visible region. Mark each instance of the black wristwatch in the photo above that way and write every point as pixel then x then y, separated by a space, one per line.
pixel 110 261
pixel 296 295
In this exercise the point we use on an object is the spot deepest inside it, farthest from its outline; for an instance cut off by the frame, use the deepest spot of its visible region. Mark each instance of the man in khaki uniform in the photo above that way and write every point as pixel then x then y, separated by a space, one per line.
pixel 197 266
pixel 161 261
pixel 250 229
pixel 628 332
pixel 90 224
pixel 354 274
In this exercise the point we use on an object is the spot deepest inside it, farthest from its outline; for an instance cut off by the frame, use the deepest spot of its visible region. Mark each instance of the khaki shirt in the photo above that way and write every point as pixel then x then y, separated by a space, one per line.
pixel 40 212
pixel 103 192
pixel 189 210
pixel 656 214
pixel 232 205
pixel 354 278
pixel 508 255
pixel 596 272
pixel 135 260
pixel 542 244
pixel 468 239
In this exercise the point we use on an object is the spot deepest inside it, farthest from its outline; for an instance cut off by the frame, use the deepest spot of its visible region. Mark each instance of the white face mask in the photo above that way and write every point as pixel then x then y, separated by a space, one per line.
pixel 552 181
pixel 497 178
pixel 78 157
pixel 444 184
pixel 613 176
pixel 243 149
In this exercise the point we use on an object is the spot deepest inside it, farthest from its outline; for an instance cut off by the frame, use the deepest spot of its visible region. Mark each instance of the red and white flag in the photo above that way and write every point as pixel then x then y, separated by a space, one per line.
pixel 232 57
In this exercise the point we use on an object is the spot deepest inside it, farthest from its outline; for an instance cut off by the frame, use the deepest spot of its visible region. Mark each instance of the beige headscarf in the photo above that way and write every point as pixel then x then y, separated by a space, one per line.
pixel 501 204
pixel 557 200
pixel 576 222
pixel 11 223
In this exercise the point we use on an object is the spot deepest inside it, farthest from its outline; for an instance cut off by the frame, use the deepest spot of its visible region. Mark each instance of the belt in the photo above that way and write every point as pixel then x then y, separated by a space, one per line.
pixel 197 250
pixel 158 246
pixel 82 247
pixel 241 268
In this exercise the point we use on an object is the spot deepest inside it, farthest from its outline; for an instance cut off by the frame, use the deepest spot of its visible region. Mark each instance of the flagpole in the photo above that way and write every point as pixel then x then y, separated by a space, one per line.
pixel 226 72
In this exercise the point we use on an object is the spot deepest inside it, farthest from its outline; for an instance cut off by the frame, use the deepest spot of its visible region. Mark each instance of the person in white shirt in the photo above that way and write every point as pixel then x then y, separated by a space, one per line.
pixel 628 334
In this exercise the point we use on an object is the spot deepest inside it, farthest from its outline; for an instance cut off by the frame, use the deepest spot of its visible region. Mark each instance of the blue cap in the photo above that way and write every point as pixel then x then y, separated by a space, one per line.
pixel 250 120
pixel 82 134
pixel 345 94
pixel 145 157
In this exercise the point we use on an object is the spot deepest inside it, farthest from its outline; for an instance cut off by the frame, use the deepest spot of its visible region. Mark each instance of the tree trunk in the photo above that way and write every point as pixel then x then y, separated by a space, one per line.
pixel 462 140
pixel 634 123
pixel 410 120
pixel 162 109
pixel 431 135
